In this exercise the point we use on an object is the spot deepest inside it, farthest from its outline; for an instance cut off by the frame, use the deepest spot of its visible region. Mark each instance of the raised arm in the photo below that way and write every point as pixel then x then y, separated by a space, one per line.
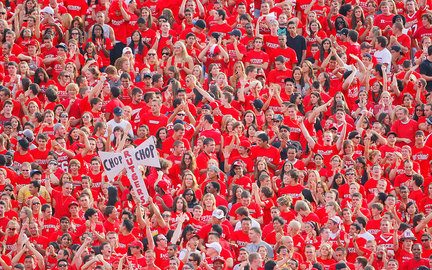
pixel 341 138
pixel 307 136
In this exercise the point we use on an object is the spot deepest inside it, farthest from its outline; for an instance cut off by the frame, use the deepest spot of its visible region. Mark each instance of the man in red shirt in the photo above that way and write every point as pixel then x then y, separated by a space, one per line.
pixel 62 199
pixel 40 153
pixel 221 26
pixel 178 135
pixel 207 153
pixel 417 259
pixel 281 72
pixel 264 150
pixel 404 127
pixel 421 153
pixel 327 149
pixel 113 103
pixel 153 119
pixel 257 57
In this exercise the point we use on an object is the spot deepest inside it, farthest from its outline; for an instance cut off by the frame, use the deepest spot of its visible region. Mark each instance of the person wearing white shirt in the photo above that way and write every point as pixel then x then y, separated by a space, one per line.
pixel 382 54
pixel 117 121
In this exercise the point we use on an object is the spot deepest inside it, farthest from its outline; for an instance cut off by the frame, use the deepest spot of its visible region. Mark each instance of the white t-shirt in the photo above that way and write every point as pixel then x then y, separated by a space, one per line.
pixel 384 57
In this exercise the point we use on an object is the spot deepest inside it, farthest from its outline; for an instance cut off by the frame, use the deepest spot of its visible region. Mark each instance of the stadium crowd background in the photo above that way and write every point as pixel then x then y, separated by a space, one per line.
pixel 292 135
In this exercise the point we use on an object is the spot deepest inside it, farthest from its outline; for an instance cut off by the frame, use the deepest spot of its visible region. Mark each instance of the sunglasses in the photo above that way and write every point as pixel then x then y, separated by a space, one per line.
pixel 2 13
pixel 165 53
pixel 350 174
pixel 181 114
pixel 151 54
pixel 75 33
pixel 8 189
pixel 62 265
pixel 86 116
pixel 425 240
pixel 64 115
pixel 35 203
pixel 189 194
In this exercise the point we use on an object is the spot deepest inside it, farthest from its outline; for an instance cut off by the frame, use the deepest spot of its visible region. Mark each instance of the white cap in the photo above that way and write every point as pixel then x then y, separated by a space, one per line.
pixel 216 246
pixel 336 220
pixel 48 10
pixel 219 214
pixel 127 49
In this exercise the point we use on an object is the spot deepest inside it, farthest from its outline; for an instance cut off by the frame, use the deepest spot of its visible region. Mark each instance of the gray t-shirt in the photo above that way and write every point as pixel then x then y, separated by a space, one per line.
pixel 254 248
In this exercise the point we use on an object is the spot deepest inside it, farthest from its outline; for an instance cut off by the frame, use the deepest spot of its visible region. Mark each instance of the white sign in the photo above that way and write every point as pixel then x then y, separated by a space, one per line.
pixel 129 159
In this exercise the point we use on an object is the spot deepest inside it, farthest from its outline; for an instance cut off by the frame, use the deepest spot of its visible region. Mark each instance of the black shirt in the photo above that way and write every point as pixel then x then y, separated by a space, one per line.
pixel 426 69
pixel 298 44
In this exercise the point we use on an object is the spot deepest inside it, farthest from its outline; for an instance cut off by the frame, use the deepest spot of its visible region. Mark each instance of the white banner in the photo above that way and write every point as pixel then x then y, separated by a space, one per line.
pixel 129 159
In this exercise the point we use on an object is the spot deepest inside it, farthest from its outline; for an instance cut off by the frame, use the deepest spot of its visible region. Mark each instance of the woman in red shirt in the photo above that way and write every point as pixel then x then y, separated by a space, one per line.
pixel 181 59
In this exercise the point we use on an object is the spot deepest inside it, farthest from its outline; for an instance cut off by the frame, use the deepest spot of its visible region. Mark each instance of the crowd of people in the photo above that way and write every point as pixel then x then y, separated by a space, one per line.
pixel 291 134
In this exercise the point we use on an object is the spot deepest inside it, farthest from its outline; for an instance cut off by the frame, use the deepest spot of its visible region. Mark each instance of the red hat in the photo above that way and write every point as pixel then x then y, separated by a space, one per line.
pixel 33 43
pixel 73 203
pixel 239 163
pixel 333 126
pixel 136 243
pixel 214 105
pixel 77 145
pixel 245 144
pixel 164 186
pixel 219 259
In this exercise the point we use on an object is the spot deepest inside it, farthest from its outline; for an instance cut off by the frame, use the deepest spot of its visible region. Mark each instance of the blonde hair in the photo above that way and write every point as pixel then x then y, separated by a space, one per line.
pixel 72 86
pixel 208 195
pixel 195 183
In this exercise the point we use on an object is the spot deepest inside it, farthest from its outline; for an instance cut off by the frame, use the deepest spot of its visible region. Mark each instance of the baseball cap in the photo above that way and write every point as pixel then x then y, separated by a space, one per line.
pixel 146 75
pixel 164 186
pixel 35 172
pixel 48 10
pixel 73 203
pixel 429 120
pixel 344 31
pixel 333 126
pixel 118 111
pixel 33 43
pixel 245 144
pixel 200 24
pixel 214 168
pixel 215 35
pixel 136 243
pixel 28 134
pixel 336 219
pixel 126 49
pixel 238 163
pixel 77 146
pixel 235 32
pixel 63 46
pixel 392 133
pixel 218 259
pixel 219 214
pixel 216 246
pixel 24 143
pixel 214 105
pixel 207 107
